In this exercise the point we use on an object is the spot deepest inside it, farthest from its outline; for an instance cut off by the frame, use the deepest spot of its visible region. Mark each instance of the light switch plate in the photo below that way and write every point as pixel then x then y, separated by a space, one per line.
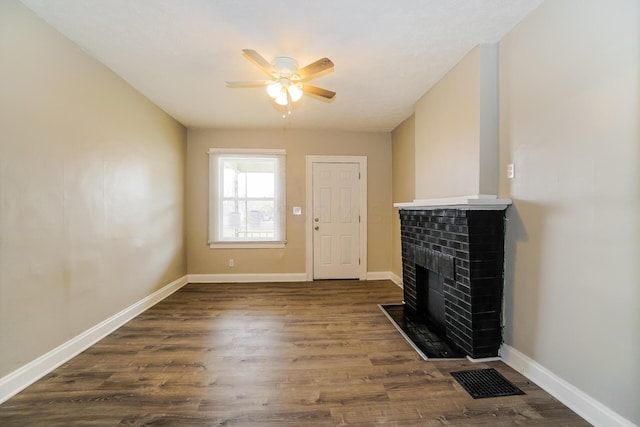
pixel 297 210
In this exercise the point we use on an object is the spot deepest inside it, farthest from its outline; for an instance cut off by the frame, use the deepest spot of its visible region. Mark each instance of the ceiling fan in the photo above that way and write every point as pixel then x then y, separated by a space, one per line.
pixel 287 82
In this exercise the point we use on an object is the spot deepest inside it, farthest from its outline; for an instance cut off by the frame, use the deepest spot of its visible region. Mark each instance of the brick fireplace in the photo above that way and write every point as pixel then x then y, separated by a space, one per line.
pixel 452 262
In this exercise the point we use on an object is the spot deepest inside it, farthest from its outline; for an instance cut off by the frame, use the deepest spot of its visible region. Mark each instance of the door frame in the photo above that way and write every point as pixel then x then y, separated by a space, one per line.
pixel 362 162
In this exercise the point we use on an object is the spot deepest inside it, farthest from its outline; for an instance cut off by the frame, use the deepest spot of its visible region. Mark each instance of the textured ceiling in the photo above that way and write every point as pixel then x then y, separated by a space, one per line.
pixel 179 53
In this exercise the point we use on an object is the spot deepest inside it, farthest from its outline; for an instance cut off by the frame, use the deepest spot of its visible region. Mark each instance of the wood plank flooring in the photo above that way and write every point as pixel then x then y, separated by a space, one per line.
pixel 287 354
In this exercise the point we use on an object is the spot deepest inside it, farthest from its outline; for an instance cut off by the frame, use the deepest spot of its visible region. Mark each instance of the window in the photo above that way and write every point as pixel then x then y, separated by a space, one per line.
pixel 246 198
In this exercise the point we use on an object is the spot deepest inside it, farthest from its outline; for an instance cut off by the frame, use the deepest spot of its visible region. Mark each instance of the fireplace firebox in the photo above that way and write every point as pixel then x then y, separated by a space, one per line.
pixel 430 298
pixel 452 262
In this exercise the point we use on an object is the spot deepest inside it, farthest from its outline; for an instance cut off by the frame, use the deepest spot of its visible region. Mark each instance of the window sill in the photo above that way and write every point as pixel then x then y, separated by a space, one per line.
pixel 247 245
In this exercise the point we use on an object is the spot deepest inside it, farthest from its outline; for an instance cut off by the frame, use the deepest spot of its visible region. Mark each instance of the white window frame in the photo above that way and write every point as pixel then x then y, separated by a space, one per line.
pixel 215 207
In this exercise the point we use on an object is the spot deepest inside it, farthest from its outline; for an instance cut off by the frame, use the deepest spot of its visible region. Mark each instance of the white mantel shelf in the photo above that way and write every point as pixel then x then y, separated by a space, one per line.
pixel 474 202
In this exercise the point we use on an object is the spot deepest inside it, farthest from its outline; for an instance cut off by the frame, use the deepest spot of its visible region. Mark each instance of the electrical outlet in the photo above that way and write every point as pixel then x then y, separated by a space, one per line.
pixel 231 262
pixel 511 171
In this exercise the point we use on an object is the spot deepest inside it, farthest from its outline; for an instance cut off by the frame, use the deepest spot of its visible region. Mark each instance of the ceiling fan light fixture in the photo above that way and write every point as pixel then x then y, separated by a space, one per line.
pixel 295 93
pixel 282 98
pixel 274 89
pixel 285 86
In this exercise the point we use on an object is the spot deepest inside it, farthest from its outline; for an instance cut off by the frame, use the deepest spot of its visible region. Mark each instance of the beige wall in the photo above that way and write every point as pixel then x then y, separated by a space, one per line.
pixel 456 143
pixel 569 82
pixel 570 121
pixel 447 128
pixel 298 144
pixel 91 191
pixel 403 186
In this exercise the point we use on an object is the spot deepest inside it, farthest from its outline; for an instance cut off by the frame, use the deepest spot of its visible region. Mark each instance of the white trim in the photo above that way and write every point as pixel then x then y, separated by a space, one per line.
pixel 21 378
pixel 378 275
pixel 247 245
pixel 273 277
pixel 471 202
pixel 247 278
pixel 267 151
pixel 584 405
pixel 396 279
pixel 362 161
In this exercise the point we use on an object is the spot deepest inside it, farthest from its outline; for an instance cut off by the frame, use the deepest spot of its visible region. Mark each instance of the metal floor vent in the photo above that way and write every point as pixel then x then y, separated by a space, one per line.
pixel 481 383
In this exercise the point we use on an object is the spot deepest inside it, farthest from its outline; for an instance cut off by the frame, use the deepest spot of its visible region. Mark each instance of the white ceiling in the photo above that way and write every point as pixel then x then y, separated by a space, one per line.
pixel 179 53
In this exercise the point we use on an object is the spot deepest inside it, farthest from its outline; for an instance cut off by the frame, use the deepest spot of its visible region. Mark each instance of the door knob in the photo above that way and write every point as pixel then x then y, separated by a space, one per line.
pixel 316 228
pixel 316 219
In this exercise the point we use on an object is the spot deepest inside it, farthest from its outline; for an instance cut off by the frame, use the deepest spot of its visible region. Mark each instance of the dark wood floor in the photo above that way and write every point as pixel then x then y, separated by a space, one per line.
pixel 294 354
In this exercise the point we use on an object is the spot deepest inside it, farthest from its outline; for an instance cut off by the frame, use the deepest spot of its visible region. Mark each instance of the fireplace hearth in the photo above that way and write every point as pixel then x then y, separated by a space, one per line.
pixel 452 261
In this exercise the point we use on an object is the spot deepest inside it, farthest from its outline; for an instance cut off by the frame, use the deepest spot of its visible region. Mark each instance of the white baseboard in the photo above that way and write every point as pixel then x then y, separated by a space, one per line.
pixel 247 278
pixel 378 275
pixel 581 403
pixel 16 381
pixel 396 279
pixel 277 277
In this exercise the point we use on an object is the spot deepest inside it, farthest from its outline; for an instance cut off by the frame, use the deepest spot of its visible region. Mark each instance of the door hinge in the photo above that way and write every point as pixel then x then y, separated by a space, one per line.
pixel 358 261
pixel 358 175
pixel 359 218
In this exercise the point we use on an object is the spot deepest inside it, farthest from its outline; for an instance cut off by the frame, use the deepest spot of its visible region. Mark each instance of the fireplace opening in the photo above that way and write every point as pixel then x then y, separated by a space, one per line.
pixel 430 298
pixel 422 320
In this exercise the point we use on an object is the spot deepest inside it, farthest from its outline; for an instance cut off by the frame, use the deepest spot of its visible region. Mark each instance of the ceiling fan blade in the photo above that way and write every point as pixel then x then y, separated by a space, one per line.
pixel 321 66
pixel 252 83
pixel 258 61
pixel 313 90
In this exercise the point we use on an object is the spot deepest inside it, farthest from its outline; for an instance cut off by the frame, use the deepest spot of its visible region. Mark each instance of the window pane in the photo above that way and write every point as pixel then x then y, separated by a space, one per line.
pixel 228 179
pixel 260 223
pixel 242 185
pixel 233 219
pixel 261 184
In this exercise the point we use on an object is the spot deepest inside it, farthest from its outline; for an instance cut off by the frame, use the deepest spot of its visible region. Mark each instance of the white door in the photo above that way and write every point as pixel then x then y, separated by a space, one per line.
pixel 336 220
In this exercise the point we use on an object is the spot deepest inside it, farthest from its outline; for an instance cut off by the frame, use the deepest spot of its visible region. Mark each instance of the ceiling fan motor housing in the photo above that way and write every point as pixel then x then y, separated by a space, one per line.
pixel 284 66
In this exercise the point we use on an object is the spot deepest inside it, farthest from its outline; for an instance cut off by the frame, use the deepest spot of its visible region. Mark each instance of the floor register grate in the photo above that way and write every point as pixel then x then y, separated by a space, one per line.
pixel 480 383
